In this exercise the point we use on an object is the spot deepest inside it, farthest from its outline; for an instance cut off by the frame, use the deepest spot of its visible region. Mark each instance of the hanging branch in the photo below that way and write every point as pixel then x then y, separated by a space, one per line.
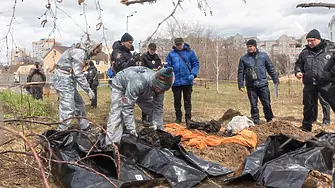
pixel 169 16
pixel 81 2
pixel 101 24
pixel 127 2
pixel 74 21
pixel 307 5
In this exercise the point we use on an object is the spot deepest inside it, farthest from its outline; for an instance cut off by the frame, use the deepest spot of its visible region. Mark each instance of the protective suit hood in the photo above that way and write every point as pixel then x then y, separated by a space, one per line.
pixel 88 45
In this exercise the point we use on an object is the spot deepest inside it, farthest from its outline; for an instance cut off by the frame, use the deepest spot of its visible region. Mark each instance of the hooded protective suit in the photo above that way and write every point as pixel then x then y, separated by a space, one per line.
pixel 136 85
pixel 68 74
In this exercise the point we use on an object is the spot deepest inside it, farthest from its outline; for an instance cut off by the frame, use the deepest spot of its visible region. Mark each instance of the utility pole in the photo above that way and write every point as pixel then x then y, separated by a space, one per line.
pixel 131 14
pixel 217 64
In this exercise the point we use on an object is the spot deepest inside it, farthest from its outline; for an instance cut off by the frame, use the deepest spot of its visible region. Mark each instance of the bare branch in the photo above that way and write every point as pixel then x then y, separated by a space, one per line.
pixel 127 2
pixel 40 166
pixel 307 5
pixel 160 23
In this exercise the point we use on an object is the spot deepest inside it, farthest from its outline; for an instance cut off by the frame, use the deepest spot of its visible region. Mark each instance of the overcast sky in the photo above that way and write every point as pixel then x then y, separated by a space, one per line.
pixel 266 19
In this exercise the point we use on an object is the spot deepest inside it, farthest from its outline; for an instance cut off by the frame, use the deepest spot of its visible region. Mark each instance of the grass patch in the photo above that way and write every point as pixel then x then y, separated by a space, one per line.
pixel 24 105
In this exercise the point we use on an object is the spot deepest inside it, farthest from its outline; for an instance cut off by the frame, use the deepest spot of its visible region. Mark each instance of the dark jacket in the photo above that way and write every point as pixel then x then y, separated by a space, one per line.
pixel 92 77
pixel 312 63
pixel 180 69
pixel 122 57
pixel 264 65
pixel 36 75
pixel 151 61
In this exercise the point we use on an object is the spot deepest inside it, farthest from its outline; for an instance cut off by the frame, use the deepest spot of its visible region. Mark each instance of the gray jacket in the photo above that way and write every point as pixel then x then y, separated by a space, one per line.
pixel 136 84
pixel 73 59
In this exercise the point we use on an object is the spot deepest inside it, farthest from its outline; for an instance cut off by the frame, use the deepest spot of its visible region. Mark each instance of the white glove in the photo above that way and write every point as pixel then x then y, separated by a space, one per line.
pixel 134 133
pixel 154 127
pixel 91 94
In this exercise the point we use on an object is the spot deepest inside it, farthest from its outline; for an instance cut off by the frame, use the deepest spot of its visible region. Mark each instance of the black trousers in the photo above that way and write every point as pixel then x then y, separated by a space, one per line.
pixel 186 91
pixel 325 110
pixel 37 92
pixel 94 102
pixel 311 94
pixel 263 93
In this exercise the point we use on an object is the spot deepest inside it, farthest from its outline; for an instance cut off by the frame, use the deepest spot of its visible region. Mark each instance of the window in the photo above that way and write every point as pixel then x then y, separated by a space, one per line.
pixel 97 62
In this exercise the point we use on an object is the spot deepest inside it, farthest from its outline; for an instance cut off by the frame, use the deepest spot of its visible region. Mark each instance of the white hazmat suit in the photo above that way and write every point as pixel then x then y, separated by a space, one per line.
pixel 69 73
pixel 136 85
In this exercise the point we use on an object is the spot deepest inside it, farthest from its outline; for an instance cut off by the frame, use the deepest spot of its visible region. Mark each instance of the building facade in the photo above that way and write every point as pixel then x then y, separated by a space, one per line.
pixel 18 54
pixel 41 47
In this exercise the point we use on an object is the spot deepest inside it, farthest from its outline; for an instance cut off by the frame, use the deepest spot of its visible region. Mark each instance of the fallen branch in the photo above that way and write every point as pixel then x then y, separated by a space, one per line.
pixel 307 5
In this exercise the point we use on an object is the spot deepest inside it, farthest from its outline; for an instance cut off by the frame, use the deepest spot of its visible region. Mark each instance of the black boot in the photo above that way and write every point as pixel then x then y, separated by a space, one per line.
pixel 145 119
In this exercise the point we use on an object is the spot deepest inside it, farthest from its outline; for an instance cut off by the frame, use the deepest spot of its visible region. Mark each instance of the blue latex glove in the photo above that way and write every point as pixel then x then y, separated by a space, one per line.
pixel 191 77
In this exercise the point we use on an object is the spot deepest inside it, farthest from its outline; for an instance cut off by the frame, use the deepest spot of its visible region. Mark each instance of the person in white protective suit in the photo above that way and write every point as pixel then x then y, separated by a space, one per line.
pixel 139 85
pixel 69 73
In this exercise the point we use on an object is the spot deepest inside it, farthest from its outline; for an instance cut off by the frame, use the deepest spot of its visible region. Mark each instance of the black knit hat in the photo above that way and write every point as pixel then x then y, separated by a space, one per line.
pixel 126 37
pixel 252 42
pixel 313 34
pixel 152 46
pixel 163 79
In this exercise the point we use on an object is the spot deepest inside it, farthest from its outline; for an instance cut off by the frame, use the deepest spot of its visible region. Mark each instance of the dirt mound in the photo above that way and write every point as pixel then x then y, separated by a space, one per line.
pixel 228 115
pixel 213 126
pixel 209 127
pixel 158 138
pixel 229 155
pixel 263 131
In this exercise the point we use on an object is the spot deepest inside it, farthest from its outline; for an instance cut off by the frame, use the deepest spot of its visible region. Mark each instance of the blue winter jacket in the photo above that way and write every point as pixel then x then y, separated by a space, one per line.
pixel 264 65
pixel 110 73
pixel 180 69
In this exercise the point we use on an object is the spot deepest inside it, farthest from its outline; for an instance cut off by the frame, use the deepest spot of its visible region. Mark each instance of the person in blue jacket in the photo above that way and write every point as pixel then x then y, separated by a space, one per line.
pixel 252 68
pixel 185 65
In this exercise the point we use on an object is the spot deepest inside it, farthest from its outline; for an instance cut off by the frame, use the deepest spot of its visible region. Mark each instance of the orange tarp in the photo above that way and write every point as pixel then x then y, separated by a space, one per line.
pixel 201 140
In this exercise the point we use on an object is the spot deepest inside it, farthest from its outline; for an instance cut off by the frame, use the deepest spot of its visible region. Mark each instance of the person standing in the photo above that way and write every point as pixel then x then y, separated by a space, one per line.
pixel 150 59
pixel 93 80
pixel 36 74
pixel 121 55
pixel 185 65
pixel 317 77
pixel 252 73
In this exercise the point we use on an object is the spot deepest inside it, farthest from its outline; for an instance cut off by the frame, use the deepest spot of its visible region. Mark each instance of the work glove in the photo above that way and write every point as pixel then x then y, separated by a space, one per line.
pixel 91 94
pixel 191 77
pixel 136 57
pixel 133 132
pixel 153 127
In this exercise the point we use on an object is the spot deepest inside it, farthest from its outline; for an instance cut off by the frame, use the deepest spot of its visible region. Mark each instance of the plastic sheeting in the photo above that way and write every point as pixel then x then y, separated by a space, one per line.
pixel 285 162
pixel 201 140
pixel 71 146
pixel 180 168
pixel 162 157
